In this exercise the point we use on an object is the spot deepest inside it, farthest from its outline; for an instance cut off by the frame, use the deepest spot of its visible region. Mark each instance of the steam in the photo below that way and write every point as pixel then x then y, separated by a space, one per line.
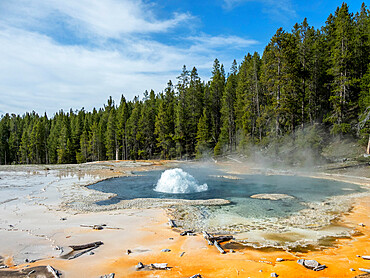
pixel 178 181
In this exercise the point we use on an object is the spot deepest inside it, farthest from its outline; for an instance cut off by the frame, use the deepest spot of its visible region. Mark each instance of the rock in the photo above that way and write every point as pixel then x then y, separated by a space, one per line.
pixel 171 238
pixel 366 257
pixel 279 259
pixel 260 270
pixel 139 266
pixel 311 264
pixel 364 270
pixel 98 227
pixel 358 256
pixel 184 233
pixel 128 252
pixel 110 275
pixel 273 197
pixel 166 250
pixel 91 253
pixel 362 224
pixel 352 269
pixel 274 275
pixel 320 267
pixel 196 276
pixel 159 266
pixel 231 251
pixel 182 254
pixel 63 218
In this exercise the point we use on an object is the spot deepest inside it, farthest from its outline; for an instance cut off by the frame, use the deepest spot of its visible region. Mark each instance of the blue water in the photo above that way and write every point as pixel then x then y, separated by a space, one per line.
pixel 237 191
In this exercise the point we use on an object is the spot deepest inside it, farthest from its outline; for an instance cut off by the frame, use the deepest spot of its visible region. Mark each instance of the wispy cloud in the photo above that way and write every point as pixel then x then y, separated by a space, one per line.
pixel 206 43
pixel 281 10
pixel 114 51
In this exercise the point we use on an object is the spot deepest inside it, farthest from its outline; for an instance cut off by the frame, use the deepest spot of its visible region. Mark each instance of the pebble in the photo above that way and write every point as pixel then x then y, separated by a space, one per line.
pixel 231 251
pixel 279 259
pixel 260 270
pixel 362 224
pixel 128 252
pixel 274 275
pixel 139 265
pixel 352 269
pixel 166 250
pixel 366 257
pixel 91 253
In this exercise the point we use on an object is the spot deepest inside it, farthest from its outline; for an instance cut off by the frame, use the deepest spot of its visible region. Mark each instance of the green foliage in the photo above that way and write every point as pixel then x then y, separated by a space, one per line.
pixel 308 83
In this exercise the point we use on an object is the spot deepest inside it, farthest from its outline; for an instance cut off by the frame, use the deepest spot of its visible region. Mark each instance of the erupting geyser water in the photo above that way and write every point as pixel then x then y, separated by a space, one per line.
pixel 178 181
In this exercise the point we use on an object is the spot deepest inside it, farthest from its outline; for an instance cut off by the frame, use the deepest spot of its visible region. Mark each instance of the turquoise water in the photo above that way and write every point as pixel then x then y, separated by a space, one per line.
pixel 238 191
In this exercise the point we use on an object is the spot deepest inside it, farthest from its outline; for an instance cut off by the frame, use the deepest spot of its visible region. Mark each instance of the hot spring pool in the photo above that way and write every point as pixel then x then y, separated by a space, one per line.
pixel 307 203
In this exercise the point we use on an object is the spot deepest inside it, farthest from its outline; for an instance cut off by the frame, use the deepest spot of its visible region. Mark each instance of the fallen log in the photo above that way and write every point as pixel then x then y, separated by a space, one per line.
pixel 85 246
pixel 100 227
pixel 83 252
pixel 207 237
pixel 153 266
pixel 218 246
pixel 52 271
pixel 220 239
pixel 171 223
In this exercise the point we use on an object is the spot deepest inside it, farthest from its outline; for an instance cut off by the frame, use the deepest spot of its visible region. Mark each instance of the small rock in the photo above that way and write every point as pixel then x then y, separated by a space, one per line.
pixel 32 271
pixel 139 265
pixel 91 253
pixel 182 254
pixel 26 261
pixel 274 275
pixel 97 227
pixel 366 257
pixel 196 276
pixel 260 270
pixel 231 251
pixel 358 256
pixel 166 250
pixel 311 264
pixel 162 266
pixel 63 218
pixel 128 252
pixel 171 238
pixel 111 275
pixel 362 224
pixel 184 233
pixel 279 259
pixel 352 269
pixel 364 270
pixel 320 267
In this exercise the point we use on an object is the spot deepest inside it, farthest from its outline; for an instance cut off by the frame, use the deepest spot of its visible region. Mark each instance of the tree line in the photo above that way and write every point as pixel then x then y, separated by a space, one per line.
pixel 306 80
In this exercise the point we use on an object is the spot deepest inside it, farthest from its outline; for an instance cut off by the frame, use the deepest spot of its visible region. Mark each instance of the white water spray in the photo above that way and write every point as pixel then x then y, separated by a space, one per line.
pixel 178 181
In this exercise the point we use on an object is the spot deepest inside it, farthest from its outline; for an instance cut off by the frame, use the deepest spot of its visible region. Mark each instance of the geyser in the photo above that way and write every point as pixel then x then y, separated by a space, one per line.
pixel 178 181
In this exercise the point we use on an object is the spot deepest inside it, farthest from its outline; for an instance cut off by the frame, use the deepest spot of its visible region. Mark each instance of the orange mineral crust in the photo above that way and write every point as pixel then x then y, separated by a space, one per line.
pixel 201 258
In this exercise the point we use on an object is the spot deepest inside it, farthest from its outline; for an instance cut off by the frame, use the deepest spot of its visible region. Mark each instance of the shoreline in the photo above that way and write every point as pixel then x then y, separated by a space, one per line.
pixel 150 232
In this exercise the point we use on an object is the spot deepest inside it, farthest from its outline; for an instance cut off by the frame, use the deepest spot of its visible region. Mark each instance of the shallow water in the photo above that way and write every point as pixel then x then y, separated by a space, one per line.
pixel 237 190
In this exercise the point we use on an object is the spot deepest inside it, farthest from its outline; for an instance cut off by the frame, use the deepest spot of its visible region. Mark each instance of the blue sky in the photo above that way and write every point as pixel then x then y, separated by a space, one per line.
pixel 62 54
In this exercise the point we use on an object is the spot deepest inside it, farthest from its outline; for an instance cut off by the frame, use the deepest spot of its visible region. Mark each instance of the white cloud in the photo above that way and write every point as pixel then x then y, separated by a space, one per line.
pixel 108 18
pixel 38 72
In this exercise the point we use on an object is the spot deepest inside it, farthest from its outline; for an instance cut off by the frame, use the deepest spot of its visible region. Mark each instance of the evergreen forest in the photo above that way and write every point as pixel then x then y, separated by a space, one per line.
pixel 310 85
